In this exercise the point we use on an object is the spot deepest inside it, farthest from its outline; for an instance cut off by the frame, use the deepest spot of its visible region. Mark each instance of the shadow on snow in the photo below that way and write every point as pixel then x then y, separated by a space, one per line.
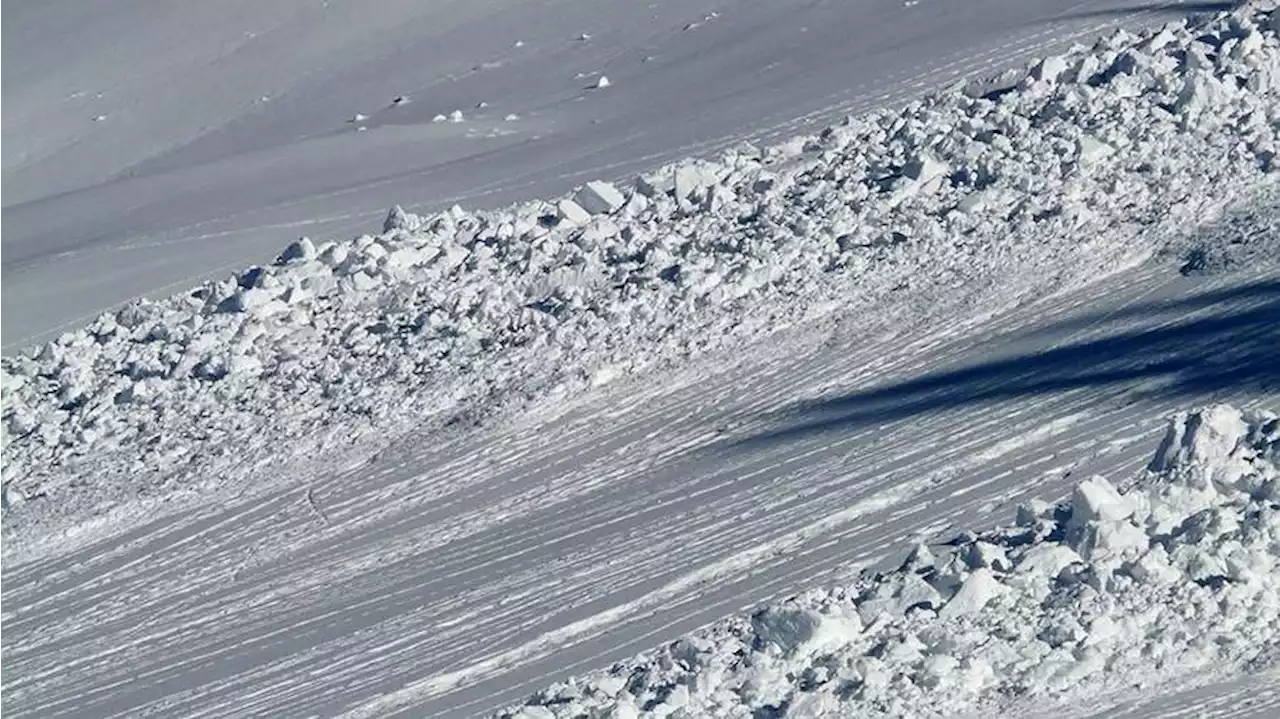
pixel 1201 346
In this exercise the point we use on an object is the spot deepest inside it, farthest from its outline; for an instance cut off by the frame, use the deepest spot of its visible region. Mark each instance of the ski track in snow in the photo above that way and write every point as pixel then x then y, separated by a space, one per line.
pixel 497 563
pixel 458 572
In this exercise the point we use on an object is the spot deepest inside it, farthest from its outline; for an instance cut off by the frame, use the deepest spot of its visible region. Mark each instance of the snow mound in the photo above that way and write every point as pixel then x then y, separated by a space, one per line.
pixel 1177 579
pixel 339 347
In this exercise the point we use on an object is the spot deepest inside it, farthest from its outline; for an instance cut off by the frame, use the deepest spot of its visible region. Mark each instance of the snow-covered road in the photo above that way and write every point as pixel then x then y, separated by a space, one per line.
pixel 147 150
pixel 455 575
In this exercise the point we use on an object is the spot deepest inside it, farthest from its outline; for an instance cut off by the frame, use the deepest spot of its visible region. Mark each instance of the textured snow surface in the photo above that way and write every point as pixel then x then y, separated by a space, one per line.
pixel 339 346
pixel 225 130
pixel 1174 580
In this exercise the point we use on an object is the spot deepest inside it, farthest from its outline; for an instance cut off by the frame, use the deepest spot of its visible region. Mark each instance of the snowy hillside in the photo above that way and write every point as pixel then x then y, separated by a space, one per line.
pixel 1175 582
pixel 1096 153
pixel 437 468
pixel 147 150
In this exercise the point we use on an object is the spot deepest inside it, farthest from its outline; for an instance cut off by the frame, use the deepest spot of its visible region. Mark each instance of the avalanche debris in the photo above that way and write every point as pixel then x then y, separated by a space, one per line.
pixel 1174 580
pixel 1067 175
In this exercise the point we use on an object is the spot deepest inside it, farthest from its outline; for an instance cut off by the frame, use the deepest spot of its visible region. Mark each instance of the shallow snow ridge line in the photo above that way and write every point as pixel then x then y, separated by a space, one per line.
pixel 1067 175
pixel 1175 580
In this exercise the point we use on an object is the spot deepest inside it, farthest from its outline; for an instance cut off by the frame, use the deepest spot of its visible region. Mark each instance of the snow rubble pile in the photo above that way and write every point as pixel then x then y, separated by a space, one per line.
pixel 1095 156
pixel 1176 579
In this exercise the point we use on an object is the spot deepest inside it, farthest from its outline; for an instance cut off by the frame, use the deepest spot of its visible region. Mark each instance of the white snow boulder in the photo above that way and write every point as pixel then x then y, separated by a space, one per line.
pixel 258 301
pixel 572 213
pixel 398 219
pixel 978 590
pixel 301 250
pixel 1050 69
pixel 1092 150
pixel 1202 444
pixel 797 630
pixel 1097 500
pixel 599 198
pixel 692 178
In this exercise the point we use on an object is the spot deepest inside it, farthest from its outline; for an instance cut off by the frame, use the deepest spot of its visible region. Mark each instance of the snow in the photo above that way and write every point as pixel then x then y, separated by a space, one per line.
pixel 452 312
pixel 1163 583
pixel 192 173
pixel 434 467
pixel 461 570
pixel 600 198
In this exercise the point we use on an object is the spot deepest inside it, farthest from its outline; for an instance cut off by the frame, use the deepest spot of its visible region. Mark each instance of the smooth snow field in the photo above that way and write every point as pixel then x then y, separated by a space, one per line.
pixel 149 147
pixel 668 359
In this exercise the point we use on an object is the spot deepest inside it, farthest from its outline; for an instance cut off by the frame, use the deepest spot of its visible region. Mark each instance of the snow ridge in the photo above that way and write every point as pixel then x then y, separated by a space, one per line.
pixel 1175 579
pixel 338 347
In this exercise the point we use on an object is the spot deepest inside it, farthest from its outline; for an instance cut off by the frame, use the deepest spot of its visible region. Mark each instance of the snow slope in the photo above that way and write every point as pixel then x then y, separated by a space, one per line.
pixel 147 148
pixel 871 338
pixel 1171 583
pixel 1101 155
pixel 461 572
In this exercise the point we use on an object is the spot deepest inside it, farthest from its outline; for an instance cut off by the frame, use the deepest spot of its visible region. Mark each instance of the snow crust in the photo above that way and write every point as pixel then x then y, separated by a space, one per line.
pixel 342 346
pixel 1173 580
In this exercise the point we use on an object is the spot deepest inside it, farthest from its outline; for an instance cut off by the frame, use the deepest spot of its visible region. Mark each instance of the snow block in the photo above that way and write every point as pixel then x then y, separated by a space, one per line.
pixel 1092 150
pixel 1199 91
pixel 1050 69
pixel 979 589
pixel 398 219
pixel 301 250
pixel 572 213
pixel 599 198
pixel 691 178
pixel 1202 442
pixel 798 630
pixel 256 301
pixel 1047 559
pixel 925 169
pixel 1096 500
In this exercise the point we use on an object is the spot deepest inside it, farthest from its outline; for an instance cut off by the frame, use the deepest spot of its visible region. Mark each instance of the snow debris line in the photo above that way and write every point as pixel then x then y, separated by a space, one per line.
pixel 1175 580
pixel 340 346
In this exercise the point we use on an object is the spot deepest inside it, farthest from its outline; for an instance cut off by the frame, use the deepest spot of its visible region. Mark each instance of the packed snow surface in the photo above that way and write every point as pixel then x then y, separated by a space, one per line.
pixel 1174 581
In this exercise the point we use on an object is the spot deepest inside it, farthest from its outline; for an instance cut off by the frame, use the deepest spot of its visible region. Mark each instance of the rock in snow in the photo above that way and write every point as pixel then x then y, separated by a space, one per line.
pixel 1051 626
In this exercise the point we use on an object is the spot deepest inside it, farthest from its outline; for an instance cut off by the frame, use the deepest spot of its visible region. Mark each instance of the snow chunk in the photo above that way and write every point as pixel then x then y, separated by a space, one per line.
pixel 978 590
pixel 302 250
pixel 1096 500
pixel 1201 444
pixel 572 213
pixel 398 219
pixel 599 198
pixel 1050 69
pixel 1091 150
pixel 925 169
pixel 800 631
pixel 692 178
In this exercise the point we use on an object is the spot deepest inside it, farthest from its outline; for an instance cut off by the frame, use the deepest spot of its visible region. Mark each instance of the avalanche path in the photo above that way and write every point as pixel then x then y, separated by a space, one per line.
pixel 139 165
pixel 454 576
